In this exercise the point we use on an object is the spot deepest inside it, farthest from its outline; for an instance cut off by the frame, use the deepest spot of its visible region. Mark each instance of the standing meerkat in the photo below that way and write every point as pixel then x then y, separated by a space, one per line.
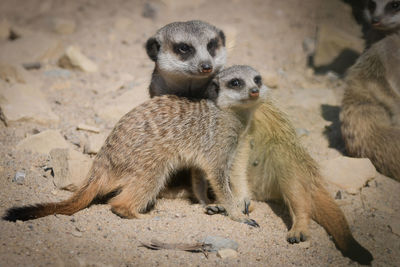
pixel 187 55
pixel 164 134
pixel 370 116
pixel 278 166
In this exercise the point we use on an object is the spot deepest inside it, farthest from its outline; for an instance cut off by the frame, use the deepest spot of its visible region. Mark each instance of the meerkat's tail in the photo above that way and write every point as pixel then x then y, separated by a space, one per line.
pixel 327 213
pixel 78 201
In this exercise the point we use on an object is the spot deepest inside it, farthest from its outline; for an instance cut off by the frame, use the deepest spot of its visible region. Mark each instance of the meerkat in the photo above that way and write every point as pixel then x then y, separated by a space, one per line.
pixel 162 135
pixel 370 115
pixel 383 16
pixel 187 55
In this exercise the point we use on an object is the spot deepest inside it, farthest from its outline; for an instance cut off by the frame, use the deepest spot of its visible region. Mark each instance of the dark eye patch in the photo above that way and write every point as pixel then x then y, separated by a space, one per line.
pixel 183 50
pixel 212 46
pixel 235 83
pixel 371 6
pixel 258 80
pixel 395 5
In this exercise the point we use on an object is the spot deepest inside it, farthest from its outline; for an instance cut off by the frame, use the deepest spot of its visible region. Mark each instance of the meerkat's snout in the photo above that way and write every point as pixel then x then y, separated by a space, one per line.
pixel 206 67
pixel 254 93
pixel 376 21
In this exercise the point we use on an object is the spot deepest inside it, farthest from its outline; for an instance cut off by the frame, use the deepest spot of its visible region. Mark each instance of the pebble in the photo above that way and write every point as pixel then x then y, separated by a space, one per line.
pixel 43 142
pixel 227 253
pixel 19 177
pixel 218 243
pixel 74 58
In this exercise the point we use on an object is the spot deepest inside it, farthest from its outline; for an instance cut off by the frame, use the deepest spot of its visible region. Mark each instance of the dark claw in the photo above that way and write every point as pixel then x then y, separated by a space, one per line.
pixel 246 207
pixel 252 223
pixel 302 237
pixel 293 240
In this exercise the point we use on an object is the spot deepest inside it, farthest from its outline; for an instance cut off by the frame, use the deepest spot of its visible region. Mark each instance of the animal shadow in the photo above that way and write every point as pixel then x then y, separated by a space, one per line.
pixel 332 131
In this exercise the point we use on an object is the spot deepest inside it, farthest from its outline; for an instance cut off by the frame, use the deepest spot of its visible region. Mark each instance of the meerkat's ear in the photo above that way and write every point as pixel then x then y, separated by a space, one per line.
pixel 222 36
pixel 212 90
pixel 152 48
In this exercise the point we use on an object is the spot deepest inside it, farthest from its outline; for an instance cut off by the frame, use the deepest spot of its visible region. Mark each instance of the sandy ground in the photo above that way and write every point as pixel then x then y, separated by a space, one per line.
pixel 267 35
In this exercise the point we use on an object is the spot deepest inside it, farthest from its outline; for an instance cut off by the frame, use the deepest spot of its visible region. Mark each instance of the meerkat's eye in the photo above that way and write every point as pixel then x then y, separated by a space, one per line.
pixel 371 5
pixel 395 5
pixel 182 48
pixel 258 80
pixel 234 83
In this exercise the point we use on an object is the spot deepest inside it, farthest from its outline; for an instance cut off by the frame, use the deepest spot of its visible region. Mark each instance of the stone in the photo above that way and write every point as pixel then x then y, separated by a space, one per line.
pixel 270 79
pixel 111 110
pixel 70 168
pixel 4 30
pixel 217 243
pixel 34 47
pixel 19 177
pixel 74 58
pixel 22 102
pixel 43 142
pixel 350 174
pixel 88 128
pixel 63 26
pixel 11 74
pixel 94 143
pixel 227 253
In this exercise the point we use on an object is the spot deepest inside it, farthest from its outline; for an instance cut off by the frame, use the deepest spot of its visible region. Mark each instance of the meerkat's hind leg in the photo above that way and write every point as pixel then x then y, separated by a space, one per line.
pixel 299 204
pixel 200 186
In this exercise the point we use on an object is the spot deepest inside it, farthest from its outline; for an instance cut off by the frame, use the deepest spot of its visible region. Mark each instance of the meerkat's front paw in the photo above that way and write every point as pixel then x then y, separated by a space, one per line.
pixel 215 209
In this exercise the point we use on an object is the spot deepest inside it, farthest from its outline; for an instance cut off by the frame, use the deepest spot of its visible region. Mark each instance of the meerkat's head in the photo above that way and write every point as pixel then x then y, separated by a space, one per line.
pixel 238 87
pixel 383 15
pixel 193 49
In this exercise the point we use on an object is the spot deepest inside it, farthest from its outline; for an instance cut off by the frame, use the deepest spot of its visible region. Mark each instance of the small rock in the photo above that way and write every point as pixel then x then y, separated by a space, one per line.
pixel 302 132
pixel 11 74
pixel 227 253
pixel 63 26
pixel 271 80
pixel 43 142
pixel 218 243
pixel 20 102
pixel 350 174
pixel 94 143
pixel 73 58
pixel 338 195
pixel 70 168
pixel 54 192
pixel 4 30
pixel 88 128
pixel 19 177
pixel 76 234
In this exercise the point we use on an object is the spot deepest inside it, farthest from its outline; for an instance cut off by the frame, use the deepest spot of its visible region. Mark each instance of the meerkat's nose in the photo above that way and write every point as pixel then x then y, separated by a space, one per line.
pixel 254 92
pixel 206 67
pixel 376 20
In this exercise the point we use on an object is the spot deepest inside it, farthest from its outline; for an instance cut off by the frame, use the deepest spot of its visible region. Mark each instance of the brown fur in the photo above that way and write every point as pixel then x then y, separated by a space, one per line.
pixel 370 117
pixel 155 139
pixel 281 169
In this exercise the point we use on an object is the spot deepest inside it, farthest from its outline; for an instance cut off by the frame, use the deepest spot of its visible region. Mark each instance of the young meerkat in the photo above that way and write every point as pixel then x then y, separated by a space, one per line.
pixel 164 134
pixel 187 55
pixel 370 115
pixel 383 17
